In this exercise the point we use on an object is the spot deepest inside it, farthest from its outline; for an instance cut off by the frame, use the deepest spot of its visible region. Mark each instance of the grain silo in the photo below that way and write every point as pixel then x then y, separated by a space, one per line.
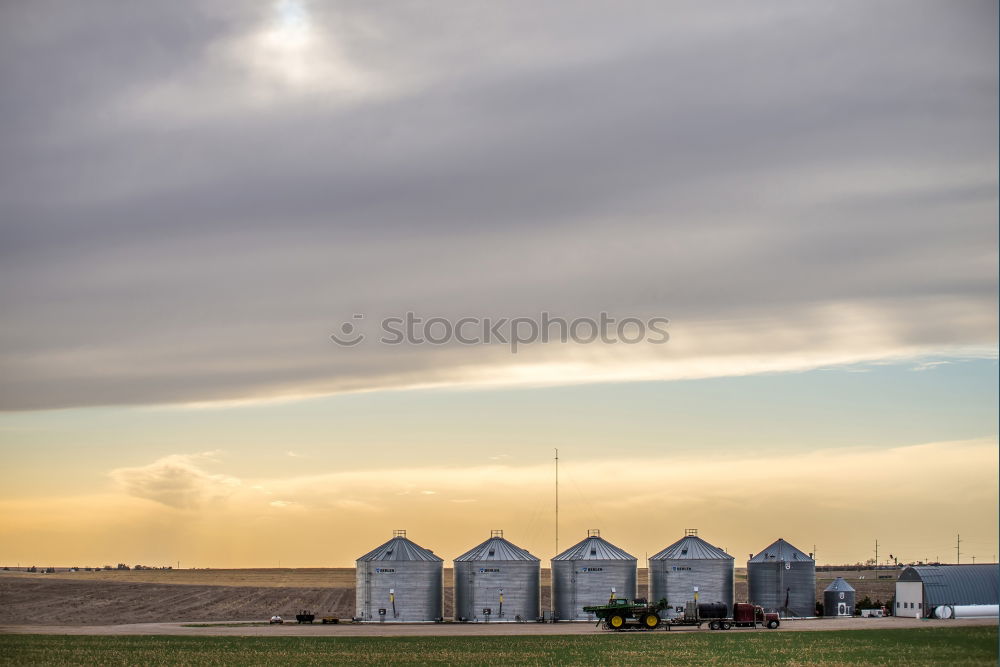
pixel 399 582
pixel 838 598
pixel 497 581
pixel 590 573
pixel 689 569
pixel 782 578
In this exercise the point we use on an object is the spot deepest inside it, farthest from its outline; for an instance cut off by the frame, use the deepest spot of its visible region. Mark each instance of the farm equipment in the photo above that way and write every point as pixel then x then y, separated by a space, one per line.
pixel 620 614
pixel 305 617
pixel 639 615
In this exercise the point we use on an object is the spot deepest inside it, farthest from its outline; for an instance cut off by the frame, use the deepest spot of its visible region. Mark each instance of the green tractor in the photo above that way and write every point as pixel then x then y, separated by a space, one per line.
pixel 621 614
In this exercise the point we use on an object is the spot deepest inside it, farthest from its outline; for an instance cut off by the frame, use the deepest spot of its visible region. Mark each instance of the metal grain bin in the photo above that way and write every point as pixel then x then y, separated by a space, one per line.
pixel 838 599
pixel 587 573
pixel 782 578
pixel 399 582
pixel 497 581
pixel 688 564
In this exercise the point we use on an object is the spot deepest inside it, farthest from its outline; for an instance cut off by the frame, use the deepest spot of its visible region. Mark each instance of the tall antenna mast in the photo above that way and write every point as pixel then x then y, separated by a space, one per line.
pixel 557 500
pixel 958 548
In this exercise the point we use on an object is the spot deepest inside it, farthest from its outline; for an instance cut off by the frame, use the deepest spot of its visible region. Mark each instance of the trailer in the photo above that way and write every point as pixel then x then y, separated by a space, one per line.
pixel 622 614
pixel 746 616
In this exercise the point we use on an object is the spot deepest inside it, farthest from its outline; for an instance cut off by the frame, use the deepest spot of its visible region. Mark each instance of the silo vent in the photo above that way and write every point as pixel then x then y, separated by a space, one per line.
pixel 688 532
pixel 496 533
pixel 594 532
pixel 399 533
pixel 493 552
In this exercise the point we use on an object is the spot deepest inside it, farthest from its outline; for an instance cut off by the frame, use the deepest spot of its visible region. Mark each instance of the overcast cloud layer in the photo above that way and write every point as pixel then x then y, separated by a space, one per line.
pixel 193 198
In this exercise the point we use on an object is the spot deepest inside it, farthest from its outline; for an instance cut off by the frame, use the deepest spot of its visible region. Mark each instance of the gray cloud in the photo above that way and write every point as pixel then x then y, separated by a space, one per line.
pixel 177 225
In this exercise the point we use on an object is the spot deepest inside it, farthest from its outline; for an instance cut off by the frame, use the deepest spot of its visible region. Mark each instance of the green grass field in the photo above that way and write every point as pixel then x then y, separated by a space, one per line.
pixel 931 646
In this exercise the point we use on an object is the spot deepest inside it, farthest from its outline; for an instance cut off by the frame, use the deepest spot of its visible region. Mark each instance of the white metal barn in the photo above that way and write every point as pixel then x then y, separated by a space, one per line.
pixel 922 588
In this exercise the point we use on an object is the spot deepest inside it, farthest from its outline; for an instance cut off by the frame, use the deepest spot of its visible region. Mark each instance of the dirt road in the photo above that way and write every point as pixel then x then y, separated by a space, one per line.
pixel 453 629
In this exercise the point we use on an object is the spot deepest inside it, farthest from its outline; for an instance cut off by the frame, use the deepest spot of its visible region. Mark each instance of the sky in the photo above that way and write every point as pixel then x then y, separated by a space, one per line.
pixel 197 197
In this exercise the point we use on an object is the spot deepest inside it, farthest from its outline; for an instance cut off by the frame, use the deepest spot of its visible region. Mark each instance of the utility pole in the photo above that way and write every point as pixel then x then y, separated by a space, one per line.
pixel 876 558
pixel 557 500
pixel 814 553
pixel 958 549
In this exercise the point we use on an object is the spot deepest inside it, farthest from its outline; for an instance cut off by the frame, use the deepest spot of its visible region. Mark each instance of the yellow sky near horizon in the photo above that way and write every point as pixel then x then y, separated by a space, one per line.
pixel 174 509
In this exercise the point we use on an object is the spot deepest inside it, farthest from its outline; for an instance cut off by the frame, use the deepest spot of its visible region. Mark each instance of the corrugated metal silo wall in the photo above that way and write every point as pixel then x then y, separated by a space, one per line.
pixel 769 583
pixel 832 601
pixel 675 580
pixel 582 583
pixel 478 585
pixel 417 586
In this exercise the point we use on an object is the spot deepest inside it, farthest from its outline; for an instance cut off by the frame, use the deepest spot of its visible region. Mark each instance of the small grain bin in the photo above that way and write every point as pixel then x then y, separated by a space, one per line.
pixel 691 568
pixel 838 598
pixel 399 582
pixel 590 573
pixel 497 581
pixel 782 579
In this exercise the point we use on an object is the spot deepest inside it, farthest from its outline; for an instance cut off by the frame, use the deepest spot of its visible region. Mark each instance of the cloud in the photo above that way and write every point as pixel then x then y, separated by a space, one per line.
pixel 176 481
pixel 929 365
pixel 783 212
pixel 681 476
pixel 355 506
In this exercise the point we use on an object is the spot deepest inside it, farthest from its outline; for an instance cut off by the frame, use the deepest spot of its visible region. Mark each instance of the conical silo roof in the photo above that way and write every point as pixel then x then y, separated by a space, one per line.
pixel 691 547
pixel 594 547
pixel 496 548
pixel 399 548
pixel 839 585
pixel 780 550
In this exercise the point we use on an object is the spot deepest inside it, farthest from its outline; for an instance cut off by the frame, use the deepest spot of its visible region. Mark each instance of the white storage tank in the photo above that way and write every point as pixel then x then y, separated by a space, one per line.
pixel 975 611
